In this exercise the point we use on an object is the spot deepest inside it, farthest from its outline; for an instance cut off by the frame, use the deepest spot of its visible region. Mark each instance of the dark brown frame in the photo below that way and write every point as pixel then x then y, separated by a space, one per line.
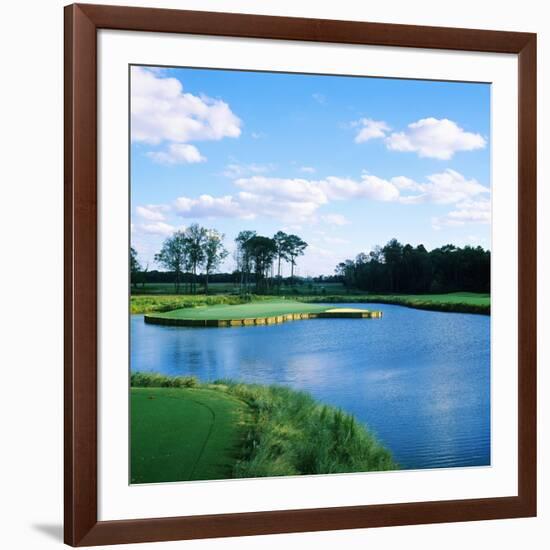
pixel 81 24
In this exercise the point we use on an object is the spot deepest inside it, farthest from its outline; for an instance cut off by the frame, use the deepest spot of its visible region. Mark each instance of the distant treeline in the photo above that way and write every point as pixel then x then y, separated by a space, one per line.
pixel 155 276
pixel 398 268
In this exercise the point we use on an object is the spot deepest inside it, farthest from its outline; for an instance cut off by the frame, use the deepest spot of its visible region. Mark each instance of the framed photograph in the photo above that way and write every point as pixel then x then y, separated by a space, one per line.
pixel 300 275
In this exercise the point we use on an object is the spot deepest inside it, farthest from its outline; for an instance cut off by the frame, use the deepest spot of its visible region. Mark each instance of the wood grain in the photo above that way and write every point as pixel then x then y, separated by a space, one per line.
pixel 81 25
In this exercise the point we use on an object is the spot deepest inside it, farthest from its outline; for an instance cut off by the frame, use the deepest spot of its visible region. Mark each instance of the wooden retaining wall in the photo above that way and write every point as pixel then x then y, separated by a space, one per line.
pixel 276 319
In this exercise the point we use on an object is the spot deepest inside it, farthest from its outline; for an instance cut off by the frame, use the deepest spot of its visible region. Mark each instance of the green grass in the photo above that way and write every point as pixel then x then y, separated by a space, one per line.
pixel 251 431
pixel 263 308
pixel 294 435
pixel 457 302
pixel 461 302
pixel 150 304
pixel 185 434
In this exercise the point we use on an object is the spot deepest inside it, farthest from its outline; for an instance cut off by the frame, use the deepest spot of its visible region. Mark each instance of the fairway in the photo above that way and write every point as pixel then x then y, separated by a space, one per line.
pixel 184 434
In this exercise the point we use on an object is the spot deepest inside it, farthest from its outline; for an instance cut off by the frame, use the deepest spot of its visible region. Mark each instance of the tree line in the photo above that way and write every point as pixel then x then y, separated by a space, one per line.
pixel 198 250
pixel 398 268
pixel 256 257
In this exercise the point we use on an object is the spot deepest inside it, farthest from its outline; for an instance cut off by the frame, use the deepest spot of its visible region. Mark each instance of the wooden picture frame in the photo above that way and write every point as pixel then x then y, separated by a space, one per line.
pixel 82 21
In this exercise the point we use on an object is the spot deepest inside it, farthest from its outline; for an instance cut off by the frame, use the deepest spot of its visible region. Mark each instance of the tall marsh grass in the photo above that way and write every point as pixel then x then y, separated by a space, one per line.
pixel 294 434
pixel 290 433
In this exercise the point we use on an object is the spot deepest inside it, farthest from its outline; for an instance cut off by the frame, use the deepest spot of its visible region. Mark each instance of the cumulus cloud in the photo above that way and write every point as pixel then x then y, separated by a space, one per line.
pixel 163 112
pixel 207 206
pixel 152 212
pixel 288 190
pixel 379 189
pixel 449 187
pixel 298 200
pixel 434 138
pixel 158 228
pixel 245 205
pixel 468 211
pixel 177 153
pixel 370 129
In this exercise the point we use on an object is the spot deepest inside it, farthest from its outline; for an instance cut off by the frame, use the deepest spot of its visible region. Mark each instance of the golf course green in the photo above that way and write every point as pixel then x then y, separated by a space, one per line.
pixel 184 434
pixel 264 312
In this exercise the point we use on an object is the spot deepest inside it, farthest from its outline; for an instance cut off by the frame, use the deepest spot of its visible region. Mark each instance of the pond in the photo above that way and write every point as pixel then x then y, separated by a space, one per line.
pixel 420 380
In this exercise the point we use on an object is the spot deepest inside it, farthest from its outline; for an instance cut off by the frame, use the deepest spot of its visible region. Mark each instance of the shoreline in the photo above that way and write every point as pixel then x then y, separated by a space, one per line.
pixel 445 307
pixel 286 431
pixel 163 303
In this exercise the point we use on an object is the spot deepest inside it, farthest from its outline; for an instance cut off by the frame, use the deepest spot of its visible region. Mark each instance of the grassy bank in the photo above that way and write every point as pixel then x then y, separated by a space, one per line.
pixel 169 302
pixel 459 302
pixel 280 432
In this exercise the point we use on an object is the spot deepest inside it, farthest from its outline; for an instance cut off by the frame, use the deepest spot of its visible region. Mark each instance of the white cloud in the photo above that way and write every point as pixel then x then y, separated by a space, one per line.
pixel 286 190
pixel 450 187
pixel 370 129
pixel 278 207
pixel 152 212
pixel 379 189
pixel 208 206
pixel 290 200
pixel 335 219
pixel 447 187
pixel 405 184
pixel 158 228
pixel 298 200
pixel 435 138
pixel 307 169
pixel 368 187
pixel 162 111
pixel 177 153
pixel 468 211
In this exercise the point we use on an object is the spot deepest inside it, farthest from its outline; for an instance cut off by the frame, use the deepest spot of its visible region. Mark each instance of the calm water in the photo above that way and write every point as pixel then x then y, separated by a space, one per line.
pixel 419 379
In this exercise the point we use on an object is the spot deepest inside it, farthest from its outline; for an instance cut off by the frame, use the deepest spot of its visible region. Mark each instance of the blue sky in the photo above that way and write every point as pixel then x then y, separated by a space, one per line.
pixel 344 162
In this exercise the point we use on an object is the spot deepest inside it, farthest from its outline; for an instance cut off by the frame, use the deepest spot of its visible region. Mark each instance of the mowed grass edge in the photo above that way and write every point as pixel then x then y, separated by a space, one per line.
pixel 281 432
